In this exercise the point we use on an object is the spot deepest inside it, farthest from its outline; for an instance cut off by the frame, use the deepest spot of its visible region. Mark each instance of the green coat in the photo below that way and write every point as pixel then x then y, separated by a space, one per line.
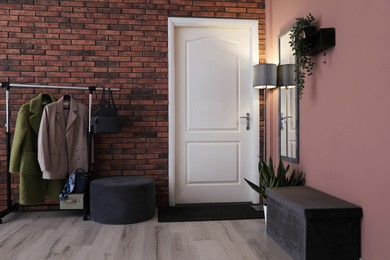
pixel 24 155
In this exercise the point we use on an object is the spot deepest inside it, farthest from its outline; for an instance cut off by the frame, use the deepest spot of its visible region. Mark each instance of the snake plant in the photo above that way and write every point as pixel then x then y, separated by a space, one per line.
pixel 280 178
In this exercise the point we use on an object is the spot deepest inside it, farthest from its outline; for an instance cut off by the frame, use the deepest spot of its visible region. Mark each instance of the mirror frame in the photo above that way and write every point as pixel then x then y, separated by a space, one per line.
pixel 287 158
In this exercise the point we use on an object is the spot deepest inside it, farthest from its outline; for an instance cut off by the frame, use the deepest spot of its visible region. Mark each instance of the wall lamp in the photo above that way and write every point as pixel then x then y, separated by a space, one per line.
pixel 268 75
pixel 264 76
pixel 286 75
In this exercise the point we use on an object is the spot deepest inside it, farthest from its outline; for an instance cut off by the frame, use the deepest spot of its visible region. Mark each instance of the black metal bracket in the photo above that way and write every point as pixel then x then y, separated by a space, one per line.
pixel 321 40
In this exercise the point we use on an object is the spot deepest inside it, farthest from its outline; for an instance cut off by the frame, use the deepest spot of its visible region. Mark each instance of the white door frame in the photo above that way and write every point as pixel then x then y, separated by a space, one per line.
pixel 174 22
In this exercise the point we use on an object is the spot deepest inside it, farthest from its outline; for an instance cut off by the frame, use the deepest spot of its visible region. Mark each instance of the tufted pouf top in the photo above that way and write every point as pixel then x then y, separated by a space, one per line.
pixel 120 182
pixel 122 199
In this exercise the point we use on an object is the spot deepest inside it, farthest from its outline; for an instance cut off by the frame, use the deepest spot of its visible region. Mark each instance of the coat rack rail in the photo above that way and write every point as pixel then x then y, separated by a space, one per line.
pixel 52 87
pixel 7 85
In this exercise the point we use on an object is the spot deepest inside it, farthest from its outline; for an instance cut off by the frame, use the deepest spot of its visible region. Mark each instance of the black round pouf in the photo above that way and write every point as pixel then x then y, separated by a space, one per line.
pixel 122 199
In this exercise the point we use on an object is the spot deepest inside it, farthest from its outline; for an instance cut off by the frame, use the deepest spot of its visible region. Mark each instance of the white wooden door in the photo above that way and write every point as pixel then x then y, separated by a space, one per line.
pixel 213 147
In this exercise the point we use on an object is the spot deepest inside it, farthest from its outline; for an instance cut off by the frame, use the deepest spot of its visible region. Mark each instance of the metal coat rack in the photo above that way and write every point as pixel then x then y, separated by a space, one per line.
pixel 11 207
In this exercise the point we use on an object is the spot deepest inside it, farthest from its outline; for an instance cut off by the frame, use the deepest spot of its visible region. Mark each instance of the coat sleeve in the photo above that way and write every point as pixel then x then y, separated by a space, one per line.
pixel 43 142
pixel 18 140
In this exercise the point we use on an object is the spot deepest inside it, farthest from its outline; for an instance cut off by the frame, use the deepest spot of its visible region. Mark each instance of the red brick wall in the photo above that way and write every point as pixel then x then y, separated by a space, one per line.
pixel 112 43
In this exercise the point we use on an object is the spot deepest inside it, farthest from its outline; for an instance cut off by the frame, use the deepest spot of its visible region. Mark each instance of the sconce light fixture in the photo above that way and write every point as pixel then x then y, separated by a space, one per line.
pixel 264 75
pixel 286 76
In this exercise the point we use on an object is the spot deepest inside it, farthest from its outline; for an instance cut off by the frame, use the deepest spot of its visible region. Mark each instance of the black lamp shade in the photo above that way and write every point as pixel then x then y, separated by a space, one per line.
pixel 286 75
pixel 264 75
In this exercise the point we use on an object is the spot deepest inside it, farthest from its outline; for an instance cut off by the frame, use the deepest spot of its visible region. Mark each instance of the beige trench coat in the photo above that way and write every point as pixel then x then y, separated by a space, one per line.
pixel 63 139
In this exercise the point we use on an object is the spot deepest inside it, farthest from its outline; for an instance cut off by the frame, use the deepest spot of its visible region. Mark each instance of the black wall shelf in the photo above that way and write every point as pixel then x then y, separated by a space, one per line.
pixel 321 40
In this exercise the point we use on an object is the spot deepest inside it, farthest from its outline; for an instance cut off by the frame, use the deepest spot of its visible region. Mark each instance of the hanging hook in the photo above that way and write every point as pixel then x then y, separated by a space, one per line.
pixel 66 102
pixel 324 54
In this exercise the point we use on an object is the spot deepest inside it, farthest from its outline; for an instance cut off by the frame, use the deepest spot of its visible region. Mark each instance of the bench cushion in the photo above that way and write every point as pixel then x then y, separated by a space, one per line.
pixel 313 203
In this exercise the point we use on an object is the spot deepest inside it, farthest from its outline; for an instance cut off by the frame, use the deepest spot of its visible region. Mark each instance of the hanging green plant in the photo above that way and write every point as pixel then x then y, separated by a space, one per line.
pixel 303 27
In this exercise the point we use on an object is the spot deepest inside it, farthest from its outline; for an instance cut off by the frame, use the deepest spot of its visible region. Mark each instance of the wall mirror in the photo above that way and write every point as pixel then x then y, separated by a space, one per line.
pixel 288 105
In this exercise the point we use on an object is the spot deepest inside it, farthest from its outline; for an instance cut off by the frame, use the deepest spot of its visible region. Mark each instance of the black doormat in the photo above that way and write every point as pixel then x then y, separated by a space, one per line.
pixel 206 212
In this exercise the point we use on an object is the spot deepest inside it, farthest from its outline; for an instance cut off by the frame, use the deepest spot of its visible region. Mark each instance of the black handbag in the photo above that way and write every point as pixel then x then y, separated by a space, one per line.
pixel 81 181
pixel 78 182
pixel 106 119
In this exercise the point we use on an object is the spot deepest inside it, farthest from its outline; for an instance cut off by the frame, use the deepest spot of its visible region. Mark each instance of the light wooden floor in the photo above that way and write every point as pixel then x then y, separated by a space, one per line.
pixel 64 235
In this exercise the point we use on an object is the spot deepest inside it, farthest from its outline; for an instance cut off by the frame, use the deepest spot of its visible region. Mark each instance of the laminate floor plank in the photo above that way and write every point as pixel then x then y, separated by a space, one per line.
pixel 234 245
pixel 257 239
pixel 181 246
pixel 65 235
pixel 132 238
pixel 211 249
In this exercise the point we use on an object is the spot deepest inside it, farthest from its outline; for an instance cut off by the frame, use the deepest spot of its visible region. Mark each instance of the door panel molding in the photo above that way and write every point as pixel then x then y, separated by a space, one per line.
pixel 174 23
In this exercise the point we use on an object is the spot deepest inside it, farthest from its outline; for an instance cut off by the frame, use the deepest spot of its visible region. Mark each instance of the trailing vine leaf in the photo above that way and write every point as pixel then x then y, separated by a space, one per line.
pixel 300 47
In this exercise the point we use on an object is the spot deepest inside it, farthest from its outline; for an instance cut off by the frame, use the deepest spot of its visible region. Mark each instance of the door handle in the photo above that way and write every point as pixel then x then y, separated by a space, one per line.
pixel 247 117
pixel 282 118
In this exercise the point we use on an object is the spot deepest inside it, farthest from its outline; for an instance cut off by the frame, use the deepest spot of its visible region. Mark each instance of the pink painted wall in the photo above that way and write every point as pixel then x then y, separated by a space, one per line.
pixel 345 109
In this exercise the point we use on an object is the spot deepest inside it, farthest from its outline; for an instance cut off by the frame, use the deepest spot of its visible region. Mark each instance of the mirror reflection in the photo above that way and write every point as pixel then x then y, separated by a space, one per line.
pixel 288 102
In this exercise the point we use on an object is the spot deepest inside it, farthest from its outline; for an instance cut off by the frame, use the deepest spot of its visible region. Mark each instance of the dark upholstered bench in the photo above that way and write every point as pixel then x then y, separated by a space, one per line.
pixel 122 199
pixel 313 225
